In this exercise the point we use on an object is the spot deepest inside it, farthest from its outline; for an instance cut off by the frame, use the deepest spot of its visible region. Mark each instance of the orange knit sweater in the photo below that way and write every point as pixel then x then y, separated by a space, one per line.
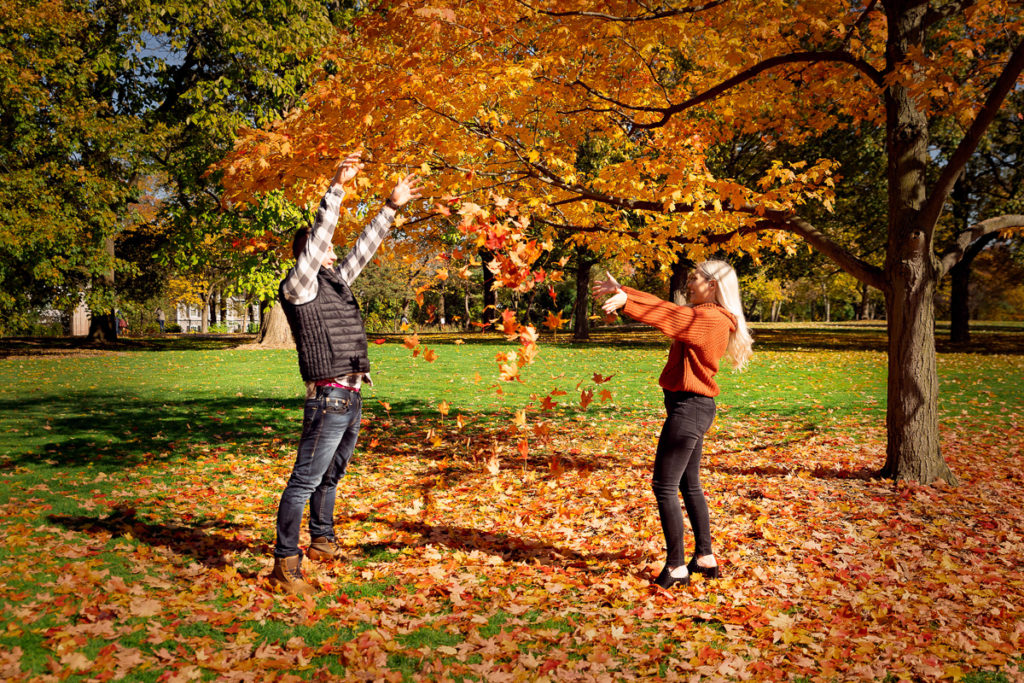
pixel 700 334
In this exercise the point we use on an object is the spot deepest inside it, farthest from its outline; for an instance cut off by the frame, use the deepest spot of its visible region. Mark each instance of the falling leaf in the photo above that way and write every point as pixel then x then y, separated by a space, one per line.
pixel 586 396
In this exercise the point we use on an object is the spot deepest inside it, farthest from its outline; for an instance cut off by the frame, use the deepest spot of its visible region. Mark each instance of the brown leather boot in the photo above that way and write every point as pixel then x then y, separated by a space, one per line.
pixel 287 575
pixel 323 549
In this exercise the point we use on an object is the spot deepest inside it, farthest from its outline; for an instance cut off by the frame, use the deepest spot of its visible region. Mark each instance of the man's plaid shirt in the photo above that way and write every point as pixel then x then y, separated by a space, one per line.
pixel 300 284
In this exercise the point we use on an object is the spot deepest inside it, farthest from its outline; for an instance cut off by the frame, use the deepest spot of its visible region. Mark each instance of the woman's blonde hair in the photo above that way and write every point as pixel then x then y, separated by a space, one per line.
pixel 727 295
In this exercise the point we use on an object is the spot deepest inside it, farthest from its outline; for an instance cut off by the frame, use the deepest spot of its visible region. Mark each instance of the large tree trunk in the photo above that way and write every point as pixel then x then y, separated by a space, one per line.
pixel 911 268
pixel 490 313
pixel 959 297
pixel 275 332
pixel 103 326
pixel 913 388
pixel 581 306
pixel 862 305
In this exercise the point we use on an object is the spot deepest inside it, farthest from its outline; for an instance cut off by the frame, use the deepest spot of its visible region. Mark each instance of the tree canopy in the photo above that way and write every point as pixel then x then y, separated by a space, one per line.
pixel 498 100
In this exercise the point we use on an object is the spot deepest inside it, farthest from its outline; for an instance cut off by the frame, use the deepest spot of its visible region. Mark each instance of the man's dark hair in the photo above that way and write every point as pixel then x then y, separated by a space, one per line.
pixel 299 241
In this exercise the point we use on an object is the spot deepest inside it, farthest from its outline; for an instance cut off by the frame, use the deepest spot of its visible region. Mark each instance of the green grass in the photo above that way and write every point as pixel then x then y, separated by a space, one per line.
pixel 74 427
pixel 106 411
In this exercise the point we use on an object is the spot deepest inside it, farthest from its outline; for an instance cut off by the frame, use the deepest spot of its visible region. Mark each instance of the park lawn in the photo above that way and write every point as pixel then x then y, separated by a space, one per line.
pixel 139 488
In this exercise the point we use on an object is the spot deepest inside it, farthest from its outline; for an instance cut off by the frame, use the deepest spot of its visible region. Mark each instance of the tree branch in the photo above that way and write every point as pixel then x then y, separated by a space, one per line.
pixel 1004 84
pixel 711 93
pixel 860 19
pixel 858 268
pixel 936 14
pixel 975 233
pixel 664 14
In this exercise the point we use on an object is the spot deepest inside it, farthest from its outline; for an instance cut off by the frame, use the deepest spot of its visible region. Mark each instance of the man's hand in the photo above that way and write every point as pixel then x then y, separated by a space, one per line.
pixel 406 189
pixel 350 167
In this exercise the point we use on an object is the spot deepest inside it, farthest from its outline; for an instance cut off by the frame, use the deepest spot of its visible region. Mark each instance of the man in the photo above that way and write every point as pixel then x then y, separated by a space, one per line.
pixel 161 319
pixel 331 341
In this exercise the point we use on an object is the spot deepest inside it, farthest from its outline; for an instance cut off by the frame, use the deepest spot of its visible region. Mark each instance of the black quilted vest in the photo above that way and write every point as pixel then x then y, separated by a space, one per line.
pixel 328 330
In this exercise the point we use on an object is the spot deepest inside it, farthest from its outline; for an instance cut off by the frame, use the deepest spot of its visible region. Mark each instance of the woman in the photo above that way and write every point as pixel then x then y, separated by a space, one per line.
pixel 712 325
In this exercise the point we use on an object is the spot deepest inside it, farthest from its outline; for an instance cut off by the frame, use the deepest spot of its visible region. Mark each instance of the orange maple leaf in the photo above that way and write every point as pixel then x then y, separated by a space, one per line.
pixel 419 293
pixel 598 379
pixel 411 342
pixel 554 321
pixel 586 396
pixel 509 326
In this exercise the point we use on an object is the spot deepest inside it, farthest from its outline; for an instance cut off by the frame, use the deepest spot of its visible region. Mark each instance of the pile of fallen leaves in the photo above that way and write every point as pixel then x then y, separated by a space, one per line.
pixel 468 556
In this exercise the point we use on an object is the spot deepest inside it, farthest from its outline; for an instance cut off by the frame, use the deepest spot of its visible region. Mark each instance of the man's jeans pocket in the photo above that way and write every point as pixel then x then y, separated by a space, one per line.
pixel 337 405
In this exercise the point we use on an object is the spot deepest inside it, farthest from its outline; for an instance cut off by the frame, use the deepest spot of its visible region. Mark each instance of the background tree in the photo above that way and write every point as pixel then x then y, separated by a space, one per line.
pixel 98 95
pixel 991 182
pixel 71 153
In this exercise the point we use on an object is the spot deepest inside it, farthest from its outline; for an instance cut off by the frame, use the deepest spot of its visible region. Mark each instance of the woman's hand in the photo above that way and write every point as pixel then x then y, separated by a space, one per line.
pixel 614 302
pixel 350 167
pixel 606 286
pixel 406 189
pixel 609 286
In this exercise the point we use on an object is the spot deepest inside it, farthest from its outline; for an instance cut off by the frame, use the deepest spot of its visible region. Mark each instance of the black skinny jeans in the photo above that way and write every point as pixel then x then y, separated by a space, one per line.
pixel 677 469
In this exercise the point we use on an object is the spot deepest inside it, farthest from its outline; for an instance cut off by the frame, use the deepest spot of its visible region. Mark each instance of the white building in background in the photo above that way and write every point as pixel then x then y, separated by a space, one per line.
pixel 238 318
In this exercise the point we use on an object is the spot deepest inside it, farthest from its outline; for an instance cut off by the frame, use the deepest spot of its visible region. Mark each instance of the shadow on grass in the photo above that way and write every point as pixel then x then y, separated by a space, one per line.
pixel 510 548
pixel 863 473
pixel 108 432
pixel 203 542
pixel 56 346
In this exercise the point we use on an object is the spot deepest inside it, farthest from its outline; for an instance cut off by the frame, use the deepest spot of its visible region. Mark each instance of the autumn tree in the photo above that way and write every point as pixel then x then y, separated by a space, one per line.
pixel 498 97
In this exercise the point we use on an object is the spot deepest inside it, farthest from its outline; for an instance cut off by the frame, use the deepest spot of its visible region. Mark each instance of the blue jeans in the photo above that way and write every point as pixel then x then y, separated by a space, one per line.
pixel 330 427
pixel 677 469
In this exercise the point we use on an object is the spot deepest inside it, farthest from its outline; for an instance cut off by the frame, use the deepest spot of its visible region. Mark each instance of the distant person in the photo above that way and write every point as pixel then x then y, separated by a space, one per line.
pixel 161 319
pixel 122 326
pixel 710 326
pixel 331 341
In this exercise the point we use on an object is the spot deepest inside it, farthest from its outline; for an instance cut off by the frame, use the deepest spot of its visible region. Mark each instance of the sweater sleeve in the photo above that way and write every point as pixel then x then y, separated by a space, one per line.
pixel 681 323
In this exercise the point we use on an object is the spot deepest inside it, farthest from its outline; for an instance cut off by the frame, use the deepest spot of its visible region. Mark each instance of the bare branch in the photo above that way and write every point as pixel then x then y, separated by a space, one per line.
pixel 975 233
pixel 1004 84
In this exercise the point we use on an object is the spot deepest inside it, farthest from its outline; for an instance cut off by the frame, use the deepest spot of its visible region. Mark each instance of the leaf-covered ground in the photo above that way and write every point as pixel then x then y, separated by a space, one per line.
pixel 138 493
